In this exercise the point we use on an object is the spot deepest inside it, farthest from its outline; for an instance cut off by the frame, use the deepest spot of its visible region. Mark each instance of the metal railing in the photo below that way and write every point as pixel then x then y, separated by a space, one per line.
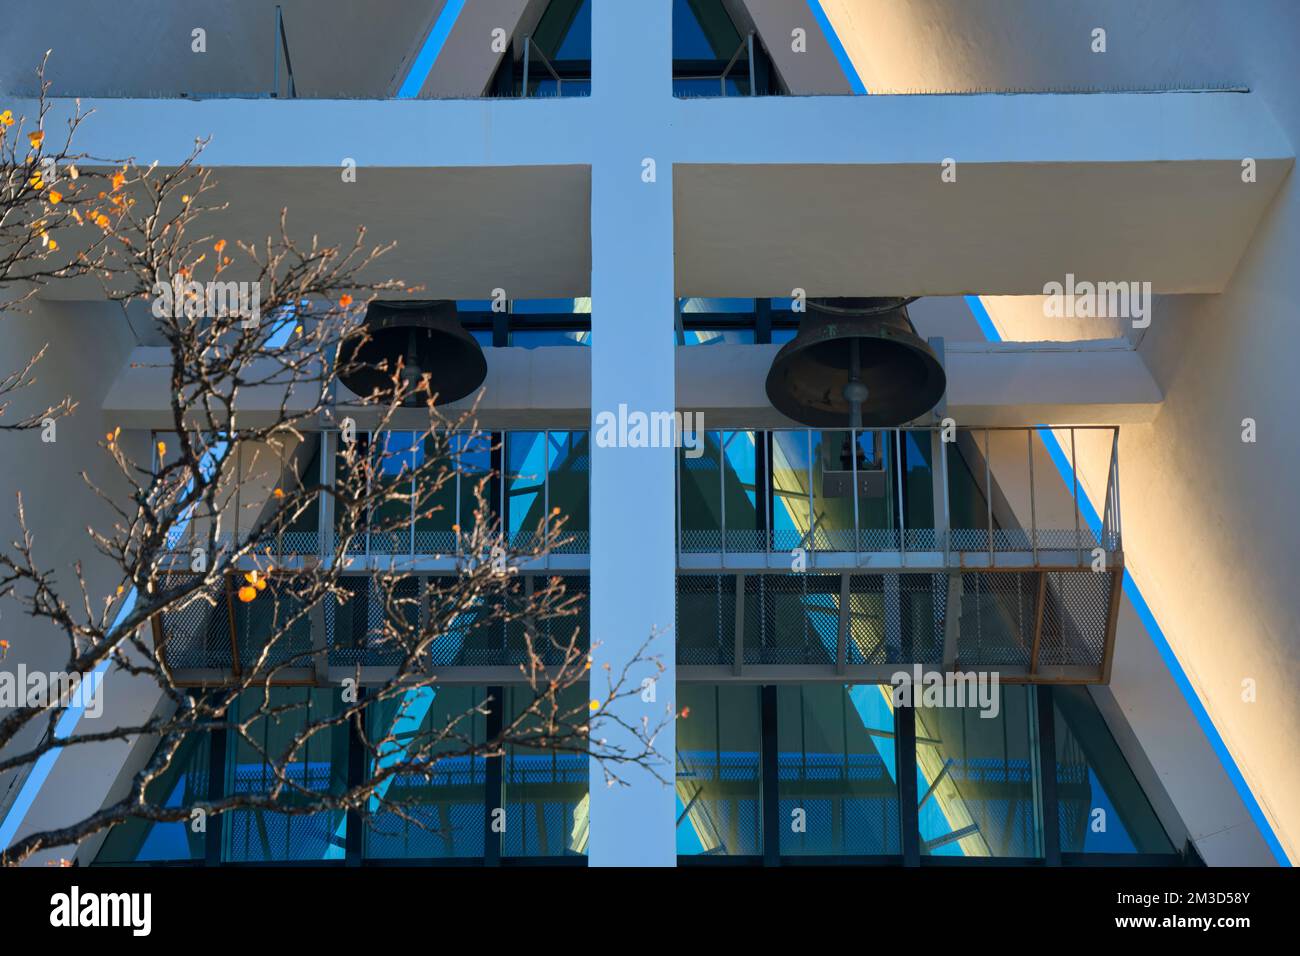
pixel 529 45
pixel 281 44
pixel 746 47
pixel 803 504
pixel 438 543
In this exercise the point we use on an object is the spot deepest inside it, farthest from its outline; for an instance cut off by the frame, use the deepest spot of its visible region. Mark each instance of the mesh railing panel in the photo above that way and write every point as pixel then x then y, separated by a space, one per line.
pixel 273 621
pixel 355 629
pixel 197 633
pixel 1075 618
pixel 997 618
pixel 918 602
pixel 706 618
pixel 791 619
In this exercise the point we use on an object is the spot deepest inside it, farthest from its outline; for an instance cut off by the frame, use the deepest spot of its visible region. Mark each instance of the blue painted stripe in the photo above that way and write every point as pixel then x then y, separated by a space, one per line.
pixel 1148 619
pixel 850 72
pixel 982 317
pixel 1062 462
pixel 428 55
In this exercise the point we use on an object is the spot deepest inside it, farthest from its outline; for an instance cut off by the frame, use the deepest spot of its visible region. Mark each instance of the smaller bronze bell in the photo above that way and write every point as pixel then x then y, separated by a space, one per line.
pixel 856 363
pixel 428 339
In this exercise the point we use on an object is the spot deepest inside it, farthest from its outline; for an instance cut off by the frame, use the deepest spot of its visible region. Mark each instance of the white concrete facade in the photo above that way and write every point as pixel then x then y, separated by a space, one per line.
pixel 758 197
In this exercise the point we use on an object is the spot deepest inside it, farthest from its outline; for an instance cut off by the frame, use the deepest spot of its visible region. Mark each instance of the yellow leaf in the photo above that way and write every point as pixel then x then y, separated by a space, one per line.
pixel 36 137
pixel 7 118
pixel 56 197
pixel 162 449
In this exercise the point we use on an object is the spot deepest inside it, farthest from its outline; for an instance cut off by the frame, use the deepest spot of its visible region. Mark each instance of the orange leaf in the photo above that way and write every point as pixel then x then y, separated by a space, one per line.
pixel 36 137
pixel 345 300
pixel 247 593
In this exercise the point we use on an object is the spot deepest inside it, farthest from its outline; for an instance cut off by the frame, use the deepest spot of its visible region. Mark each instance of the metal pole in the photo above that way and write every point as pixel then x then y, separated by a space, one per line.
pixel 677 475
pixel 947 505
pixel 988 493
pixel 902 518
pixel 528 42
pixel 1074 469
pixel 752 85
pixel 812 512
pixel 853 456
pixel 279 29
pixel 722 491
pixel 1033 514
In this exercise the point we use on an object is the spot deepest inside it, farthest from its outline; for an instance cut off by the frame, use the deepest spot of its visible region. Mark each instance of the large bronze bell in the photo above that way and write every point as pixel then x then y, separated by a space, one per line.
pixel 427 338
pixel 856 363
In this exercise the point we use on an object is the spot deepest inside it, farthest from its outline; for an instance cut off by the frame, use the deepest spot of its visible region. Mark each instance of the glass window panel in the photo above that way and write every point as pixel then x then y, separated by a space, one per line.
pixel 721 336
pixel 918 488
pixel 739 467
pixel 966 503
pixel 319 766
pixel 563 307
pixel 846 466
pixel 702 30
pixel 1102 806
pixel 442 811
pixel 544 791
pixel 473 453
pixel 570 487
pixel 343 475
pixel 549 338
pixel 436 504
pixel 838 779
pixel 719 783
pixel 300 534
pixel 184 783
pixel 395 456
pixel 525 487
pixel 976 779
pixel 701 495
pixel 790 501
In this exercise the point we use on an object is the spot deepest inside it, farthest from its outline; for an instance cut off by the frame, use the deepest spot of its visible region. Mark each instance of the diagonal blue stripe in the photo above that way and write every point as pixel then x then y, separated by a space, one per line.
pixel 850 72
pixel 428 55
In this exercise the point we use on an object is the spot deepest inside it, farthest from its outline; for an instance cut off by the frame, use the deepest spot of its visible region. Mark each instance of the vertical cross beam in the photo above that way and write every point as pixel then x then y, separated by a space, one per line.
pixel 633 566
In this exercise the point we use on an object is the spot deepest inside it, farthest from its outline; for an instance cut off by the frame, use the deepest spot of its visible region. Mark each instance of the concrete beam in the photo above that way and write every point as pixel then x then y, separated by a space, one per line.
pixel 1107 187
pixel 989 384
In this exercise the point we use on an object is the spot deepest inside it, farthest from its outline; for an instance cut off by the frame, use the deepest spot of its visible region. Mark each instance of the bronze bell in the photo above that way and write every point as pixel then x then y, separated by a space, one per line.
pixel 856 363
pixel 428 339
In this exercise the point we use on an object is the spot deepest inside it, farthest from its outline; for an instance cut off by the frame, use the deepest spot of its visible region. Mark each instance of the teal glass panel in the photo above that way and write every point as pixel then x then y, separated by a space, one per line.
pixel 435 506
pixel 301 532
pixel 977 778
pixel 473 455
pixel 182 784
pixel 544 791
pixel 569 470
pixel 719 779
pixel 395 454
pixel 791 503
pixel 838 781
pixel 701 495
pixel 1102 806
pixel 740 500
pixel 317 765
pixel 525 481
pixel 439 800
